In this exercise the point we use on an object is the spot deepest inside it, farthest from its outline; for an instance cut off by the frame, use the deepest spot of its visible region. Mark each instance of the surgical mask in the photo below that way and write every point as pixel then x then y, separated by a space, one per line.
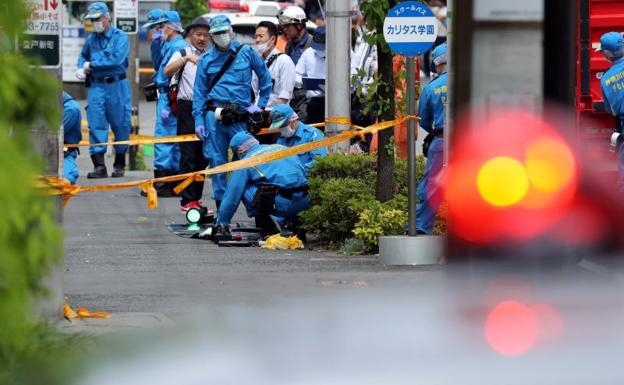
pixel 157 34
pixel 435 10
pixel 222 40
pixel 98 26
pixel 287 131
pixel 320 54
pixel 261 48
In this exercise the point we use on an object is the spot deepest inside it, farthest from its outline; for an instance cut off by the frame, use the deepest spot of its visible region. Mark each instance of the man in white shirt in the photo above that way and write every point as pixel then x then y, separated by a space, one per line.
pixel 182 68
pixel 280 66
pixel 313 64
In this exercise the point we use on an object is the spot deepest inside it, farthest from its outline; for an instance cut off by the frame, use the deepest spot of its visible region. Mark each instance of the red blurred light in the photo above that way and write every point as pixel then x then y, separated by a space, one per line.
pixel 536 148
pixel 511 328
pixel 224 4
pixel 244 8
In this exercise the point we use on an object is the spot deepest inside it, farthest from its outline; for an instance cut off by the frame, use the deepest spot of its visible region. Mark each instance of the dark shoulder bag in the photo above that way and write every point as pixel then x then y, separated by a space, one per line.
pixel 174 88
pixel 225 67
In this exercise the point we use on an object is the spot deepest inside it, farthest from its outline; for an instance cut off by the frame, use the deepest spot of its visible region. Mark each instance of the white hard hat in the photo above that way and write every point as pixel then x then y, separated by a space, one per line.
pixel 291 15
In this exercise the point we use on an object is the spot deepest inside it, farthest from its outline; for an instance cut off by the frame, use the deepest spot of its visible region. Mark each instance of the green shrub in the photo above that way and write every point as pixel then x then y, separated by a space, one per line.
pixel 342 187
pixel 353 246
pixel 376 221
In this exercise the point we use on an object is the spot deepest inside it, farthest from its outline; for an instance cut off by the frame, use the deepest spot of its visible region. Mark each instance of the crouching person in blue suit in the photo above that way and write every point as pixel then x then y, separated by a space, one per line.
pixel 72 120
pixel 273 193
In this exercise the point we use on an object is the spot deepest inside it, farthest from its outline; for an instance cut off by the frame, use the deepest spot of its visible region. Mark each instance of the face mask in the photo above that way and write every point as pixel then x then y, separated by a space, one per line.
pixel 98 27
pixel 157 34
pixel 261 48
pixel 287 131
pixel 320 54
pixel 221 40
pixel 435 10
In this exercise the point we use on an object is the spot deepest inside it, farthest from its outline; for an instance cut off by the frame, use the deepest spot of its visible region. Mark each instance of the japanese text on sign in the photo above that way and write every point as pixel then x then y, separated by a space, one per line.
pixel 45 17
pixel 413 8
pixel 413 29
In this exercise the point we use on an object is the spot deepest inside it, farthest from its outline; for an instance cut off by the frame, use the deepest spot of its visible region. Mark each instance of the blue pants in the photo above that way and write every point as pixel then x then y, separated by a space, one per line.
pixel 216 145
pixel 285 209
pixel 109 104
pixel 166 155
pixel 429 192
pixel 70 168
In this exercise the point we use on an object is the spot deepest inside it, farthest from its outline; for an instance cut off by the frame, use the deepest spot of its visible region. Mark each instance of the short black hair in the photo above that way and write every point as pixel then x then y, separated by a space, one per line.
pixel 270 26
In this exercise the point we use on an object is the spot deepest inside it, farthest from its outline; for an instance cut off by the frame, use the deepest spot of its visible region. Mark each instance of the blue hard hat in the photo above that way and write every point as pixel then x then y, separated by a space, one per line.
pixel 96 10
pixel 439 51
pixel 171 17
pixel 280 114
pixel 220 23
pixel 318 39
pixel 152 17
pixel 611 41
pixel 439 54
pixel 239 139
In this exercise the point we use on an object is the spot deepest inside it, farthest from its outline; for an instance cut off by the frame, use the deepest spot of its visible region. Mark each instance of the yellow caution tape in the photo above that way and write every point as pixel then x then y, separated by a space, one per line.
pixel 141 139
pixel 82 312
pixel 339 119
pixel 61 186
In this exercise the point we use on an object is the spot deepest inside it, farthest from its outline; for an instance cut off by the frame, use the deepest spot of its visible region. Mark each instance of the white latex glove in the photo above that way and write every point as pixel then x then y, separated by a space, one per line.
pixel 81 74
pixel 87 66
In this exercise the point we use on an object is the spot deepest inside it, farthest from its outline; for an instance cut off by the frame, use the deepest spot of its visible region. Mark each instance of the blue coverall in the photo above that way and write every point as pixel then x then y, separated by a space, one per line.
pixel 156 51
pixel 234 87
pixel 432 111
pixel 108 103
pixel 612 83
pixel 72 134
pixel 286 173
pixel 305 134
pixel 166 155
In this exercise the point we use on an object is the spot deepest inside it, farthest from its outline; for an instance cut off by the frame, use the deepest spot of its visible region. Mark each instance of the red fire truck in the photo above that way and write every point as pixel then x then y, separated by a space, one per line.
pixel 594 124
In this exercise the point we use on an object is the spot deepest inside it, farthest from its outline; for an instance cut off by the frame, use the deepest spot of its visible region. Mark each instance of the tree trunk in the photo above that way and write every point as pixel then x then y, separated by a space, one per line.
pixel 385 154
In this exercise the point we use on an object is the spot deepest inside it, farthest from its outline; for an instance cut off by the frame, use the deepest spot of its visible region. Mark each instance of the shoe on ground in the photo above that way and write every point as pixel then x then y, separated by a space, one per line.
pixel 98 172
pixel 118 173
pixel 191 205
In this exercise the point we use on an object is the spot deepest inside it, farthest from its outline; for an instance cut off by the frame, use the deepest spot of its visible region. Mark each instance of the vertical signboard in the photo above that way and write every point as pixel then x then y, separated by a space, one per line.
pixel 43 32
pixel 126 15
pixel 73 40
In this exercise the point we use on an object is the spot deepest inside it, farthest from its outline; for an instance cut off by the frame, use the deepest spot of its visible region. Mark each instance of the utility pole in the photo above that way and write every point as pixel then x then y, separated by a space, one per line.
pixel 338 85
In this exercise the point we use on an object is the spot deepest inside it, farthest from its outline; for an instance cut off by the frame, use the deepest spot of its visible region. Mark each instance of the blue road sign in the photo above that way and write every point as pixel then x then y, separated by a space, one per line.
pixel 410 28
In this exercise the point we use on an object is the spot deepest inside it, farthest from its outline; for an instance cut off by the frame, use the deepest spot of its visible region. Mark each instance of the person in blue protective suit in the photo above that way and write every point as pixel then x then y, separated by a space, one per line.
pixel 167 155
pixel 294 133
pixel 223 107
pixel 273 193
pixel 72 134
pixel 103 63
pixel 432 111
pixel 155 23
pixel 612 83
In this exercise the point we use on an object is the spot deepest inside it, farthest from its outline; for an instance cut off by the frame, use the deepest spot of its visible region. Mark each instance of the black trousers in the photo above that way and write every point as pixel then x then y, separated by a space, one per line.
pixel 191 153
pixel 316 111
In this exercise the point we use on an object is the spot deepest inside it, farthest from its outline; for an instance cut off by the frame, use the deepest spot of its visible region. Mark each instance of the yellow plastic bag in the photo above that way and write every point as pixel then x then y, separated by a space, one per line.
pixel 277 242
